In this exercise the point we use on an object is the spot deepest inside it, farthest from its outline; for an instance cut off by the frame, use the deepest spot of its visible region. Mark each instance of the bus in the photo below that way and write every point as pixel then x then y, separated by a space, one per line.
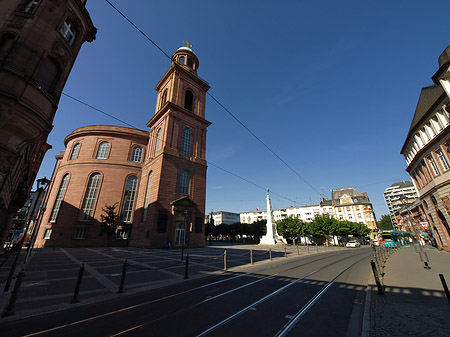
pixel 395 238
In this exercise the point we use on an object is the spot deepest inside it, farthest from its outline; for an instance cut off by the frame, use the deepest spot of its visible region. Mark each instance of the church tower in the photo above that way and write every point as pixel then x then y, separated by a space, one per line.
pixel 171 198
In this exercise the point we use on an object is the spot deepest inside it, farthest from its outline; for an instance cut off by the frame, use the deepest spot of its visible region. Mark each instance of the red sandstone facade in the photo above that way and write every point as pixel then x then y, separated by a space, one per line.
pixel 160 195
pixel 39 42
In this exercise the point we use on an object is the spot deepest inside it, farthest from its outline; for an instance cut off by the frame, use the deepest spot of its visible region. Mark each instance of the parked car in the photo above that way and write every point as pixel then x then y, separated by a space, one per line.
pixel 353 244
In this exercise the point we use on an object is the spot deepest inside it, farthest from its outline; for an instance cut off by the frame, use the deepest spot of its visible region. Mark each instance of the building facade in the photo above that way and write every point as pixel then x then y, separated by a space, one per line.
pixel 427 151
pixel 39 42
pixel 397 195
pixel 221 217
pixel 346 204
pixel 156 178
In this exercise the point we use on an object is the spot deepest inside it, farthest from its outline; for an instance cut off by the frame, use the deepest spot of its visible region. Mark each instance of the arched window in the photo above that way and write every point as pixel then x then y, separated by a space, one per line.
pixel 147 196
pixel 68 32
pixel 90 196
pixel 443 221
pixel 181 60
pixel 6 43
pixel 136 156
pixel 128 199
pixel 59 198
pixel 103 149
pixel 184 182
pixel 163 98
pixel 186 144
pixel 188 100
pixel 190 63
pixel 158 141
pixel 75 151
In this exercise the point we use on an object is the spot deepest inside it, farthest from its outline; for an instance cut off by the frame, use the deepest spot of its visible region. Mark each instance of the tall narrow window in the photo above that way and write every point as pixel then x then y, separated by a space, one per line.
pixel 6 43
pixel 68 32
pixel 186 144
pixel 128 199
pixel 163 98
pixel 434 165
pixel 181 60
pixel 31 6
pixel 188 100
pixel 136 155
pixel 91 195
pixel 103 149
pixel 158 141
pixel 442 159
pixel 147 196
pixel 75 151
pixel 184 182
pixel 59 198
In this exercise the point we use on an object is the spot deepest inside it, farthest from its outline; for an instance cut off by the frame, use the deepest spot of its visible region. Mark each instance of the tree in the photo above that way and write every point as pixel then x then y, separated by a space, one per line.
pixel 385 223
pixel 290 226
pixel 110 222
pixel 322 227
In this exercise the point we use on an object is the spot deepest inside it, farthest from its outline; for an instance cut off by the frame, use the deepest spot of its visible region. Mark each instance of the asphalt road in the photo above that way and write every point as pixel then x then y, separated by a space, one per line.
pixel 314 295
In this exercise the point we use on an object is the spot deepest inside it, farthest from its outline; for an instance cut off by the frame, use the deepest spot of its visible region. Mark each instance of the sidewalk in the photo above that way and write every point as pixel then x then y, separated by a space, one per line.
pixel 414 303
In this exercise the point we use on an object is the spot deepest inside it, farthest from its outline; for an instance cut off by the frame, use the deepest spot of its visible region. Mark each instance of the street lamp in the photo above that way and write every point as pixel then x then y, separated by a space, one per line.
pixel 42 185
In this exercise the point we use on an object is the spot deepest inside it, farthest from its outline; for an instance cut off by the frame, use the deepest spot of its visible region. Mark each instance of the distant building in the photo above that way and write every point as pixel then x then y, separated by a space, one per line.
pixel 351 205
pixel 157 178
pixel 226 218
pixel 397 195
pixel 427 152
pixel 346 204
pixel 39 42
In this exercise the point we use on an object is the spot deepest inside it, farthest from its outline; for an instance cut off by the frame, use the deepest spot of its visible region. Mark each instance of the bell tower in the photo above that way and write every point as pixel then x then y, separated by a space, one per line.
pixel 171 199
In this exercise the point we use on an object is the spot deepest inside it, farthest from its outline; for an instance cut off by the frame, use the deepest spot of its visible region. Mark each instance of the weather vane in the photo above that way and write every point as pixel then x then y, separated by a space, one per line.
pixel 187 44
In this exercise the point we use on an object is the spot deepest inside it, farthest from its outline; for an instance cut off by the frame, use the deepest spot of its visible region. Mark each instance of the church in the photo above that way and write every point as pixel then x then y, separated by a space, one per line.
pixel 156 178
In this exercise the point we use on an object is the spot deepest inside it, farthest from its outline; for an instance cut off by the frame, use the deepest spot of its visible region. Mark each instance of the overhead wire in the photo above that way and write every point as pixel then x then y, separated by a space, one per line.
pixel 218 102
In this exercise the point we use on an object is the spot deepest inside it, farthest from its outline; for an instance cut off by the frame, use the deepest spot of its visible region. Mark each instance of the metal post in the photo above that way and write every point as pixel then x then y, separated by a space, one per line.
pixel 225 260
pixel 444 285
pixel 11 308
pixel 377 279
pixel 317 248
pixel 122 279
pixel 182 252
pixel 77 286
pixel 307 247
pixel 251 256
pixel 186 269
pixel 270 254
pixel 285 252
pixel 298 251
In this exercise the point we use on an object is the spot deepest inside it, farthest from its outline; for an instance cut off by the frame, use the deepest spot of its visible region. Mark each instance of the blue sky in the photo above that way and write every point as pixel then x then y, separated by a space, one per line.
pixel 331 87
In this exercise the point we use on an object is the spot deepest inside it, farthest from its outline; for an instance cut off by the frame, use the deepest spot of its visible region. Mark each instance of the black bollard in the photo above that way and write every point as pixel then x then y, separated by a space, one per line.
pixel 186 269
pixel 270 254
pixel 285 252
pixel 377 279
pixel 77 286
pixel 444 285
pixel 251 256
pixel 182 253
pixel 11 308
pixel 122 279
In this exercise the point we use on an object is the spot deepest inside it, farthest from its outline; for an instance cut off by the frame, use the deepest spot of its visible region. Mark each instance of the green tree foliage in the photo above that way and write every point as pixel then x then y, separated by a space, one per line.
pixel 290 226
pixel 109 222
pixel 385 223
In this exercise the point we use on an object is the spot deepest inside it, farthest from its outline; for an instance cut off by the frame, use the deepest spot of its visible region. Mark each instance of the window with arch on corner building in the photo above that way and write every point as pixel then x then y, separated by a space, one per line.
pixel 128 199
pixel 68 31
pixel 90 196
pixel 59 197
pixel 30 6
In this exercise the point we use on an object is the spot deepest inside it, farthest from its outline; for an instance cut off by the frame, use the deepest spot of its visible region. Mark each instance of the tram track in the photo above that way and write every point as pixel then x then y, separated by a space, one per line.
pixel 159 316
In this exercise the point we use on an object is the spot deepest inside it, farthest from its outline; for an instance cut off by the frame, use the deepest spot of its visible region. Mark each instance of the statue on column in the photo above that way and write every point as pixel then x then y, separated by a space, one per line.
pixel 271 237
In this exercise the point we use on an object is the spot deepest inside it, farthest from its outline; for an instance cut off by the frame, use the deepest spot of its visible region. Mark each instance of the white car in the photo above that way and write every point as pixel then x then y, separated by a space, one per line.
pixel 353 244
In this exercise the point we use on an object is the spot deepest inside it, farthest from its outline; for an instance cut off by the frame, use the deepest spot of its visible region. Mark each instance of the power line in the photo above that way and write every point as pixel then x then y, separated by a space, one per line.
pixel 164 142
pixel 217 101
